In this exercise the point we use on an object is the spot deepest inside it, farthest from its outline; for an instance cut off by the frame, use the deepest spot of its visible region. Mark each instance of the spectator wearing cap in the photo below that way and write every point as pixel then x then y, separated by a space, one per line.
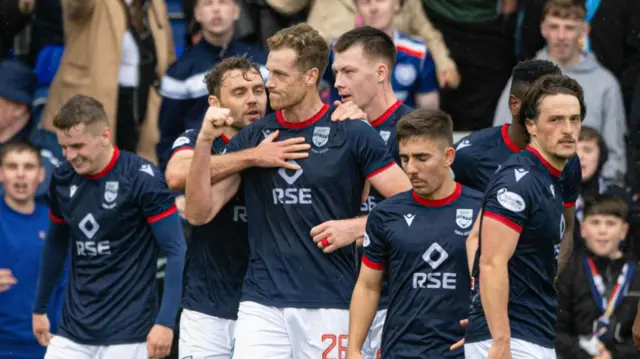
pixel 17 86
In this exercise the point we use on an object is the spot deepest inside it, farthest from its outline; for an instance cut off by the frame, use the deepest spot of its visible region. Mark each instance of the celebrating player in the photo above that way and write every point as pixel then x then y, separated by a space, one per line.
pixel 218 251
pixel 364 61
pixel 116 211
pixel 295 297
pixel 481 154
pixel 419 238
pixel 514 315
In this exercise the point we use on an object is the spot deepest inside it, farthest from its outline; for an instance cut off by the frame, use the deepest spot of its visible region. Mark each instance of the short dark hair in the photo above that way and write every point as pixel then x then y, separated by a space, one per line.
pixel 19 146
pixel 80 109
pixel 565 9
pixel 311 48
pixel 607 205
pixel 547 86
pixel 374 42
pixel 433 124
pixel 527 72
pixel 215 77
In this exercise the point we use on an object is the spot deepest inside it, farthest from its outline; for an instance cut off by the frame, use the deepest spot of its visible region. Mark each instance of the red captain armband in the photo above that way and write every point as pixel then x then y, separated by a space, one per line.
pixel 504 220
pixel 371 264
pixel 569 204
pixel 162 215
pixel 55 219
pixel 380 170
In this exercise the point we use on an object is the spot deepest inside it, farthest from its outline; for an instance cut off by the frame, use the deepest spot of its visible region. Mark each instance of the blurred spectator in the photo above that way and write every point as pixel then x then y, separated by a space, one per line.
pixel 479 36
pixel 17 85
pixel 593 154
pixel 595 313
pixel 183 89
pixel 23 228
pixel 613 36
pixel 563 27
pixel 116 51
pixel 14 17
pixel 414 75
pixel 335 17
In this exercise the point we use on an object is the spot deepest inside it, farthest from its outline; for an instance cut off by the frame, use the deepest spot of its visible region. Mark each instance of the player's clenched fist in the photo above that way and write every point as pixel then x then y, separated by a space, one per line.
pixel 159 342
pixel 215 120
pixel 41 327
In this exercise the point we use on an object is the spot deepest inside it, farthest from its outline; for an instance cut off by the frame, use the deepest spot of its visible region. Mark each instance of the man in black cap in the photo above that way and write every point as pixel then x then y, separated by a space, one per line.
pixel 17 86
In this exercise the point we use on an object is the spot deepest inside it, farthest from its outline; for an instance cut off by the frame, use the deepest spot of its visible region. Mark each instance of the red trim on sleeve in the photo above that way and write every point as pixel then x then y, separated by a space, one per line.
pixel 504 220
pixel 162 215
pixel 569 204
pixel 224 138
pixel 380 170
pixel 184 148
pixel 55 219
pixel 371 264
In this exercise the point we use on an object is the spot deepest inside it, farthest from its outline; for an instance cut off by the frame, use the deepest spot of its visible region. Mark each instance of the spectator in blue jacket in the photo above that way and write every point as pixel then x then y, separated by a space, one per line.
pixel 23 228
pixel 184 93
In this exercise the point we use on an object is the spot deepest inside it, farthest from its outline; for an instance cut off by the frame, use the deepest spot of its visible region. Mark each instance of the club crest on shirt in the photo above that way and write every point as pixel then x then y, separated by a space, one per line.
pixel 320 135
pixel 110 194
pixel 385 136
pixel 464 217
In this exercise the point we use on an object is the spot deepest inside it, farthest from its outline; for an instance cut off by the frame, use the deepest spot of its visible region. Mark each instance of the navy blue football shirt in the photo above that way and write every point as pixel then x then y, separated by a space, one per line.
pixel 286 268
pixel 218 253
pixel 482 153
pixel 112 294
pixel 524 195
pixel 421 243
pixel 386 127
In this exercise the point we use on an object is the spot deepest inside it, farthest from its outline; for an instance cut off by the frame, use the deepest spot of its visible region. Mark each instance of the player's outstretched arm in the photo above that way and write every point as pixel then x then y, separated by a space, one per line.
pixel 498 245
pixel 364 304
pixel 54 255
pixel 391 181
pixel 566 245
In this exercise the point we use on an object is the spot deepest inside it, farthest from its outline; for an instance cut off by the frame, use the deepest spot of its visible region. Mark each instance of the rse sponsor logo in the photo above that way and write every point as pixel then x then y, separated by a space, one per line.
pixel 434 280
pixel 434 256
pixel 291 196
pixel 93 249
pixel 368 204
pixel 511 200
pixel 240 214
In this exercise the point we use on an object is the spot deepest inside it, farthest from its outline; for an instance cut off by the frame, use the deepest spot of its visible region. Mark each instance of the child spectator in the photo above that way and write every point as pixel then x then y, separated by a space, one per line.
pixel 23 228
pixel 595 312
